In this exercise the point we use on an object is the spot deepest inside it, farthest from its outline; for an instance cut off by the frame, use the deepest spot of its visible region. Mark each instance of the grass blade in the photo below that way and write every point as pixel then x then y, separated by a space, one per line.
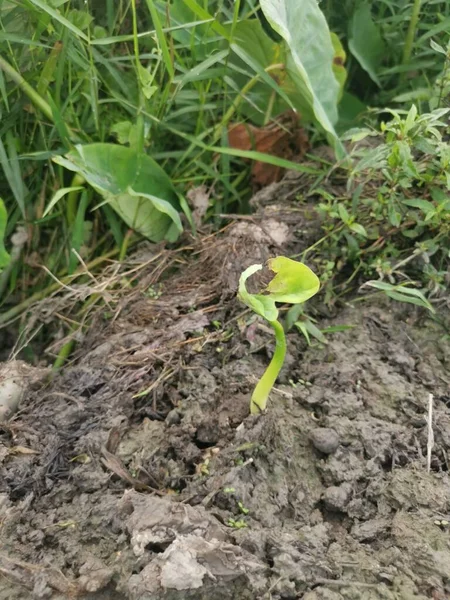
pixel 58 195
pixel 4 256
pixel 161 38
pixel 62 20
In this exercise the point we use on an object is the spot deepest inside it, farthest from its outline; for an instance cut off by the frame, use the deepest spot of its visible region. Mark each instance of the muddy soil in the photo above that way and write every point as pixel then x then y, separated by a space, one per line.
pixel 137 473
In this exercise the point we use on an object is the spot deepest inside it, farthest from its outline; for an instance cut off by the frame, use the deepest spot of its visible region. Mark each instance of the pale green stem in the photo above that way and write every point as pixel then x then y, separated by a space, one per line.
pixel 139 143
pixel 409 41
pixel 63 355
pixel 35 98
pixel 72 199
pixel 32 94
pixel 260 396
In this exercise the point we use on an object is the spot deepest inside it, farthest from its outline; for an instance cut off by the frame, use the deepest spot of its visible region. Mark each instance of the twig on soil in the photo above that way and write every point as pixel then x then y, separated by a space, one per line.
pixel 430 443
pixel 344 582
pixel 18 571
pixel 22 341
pixel 165 376
pixel 60 283
pixel 114 464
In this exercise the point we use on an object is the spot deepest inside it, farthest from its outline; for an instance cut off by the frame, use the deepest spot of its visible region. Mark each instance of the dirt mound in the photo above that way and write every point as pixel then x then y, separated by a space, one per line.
pixel 138 474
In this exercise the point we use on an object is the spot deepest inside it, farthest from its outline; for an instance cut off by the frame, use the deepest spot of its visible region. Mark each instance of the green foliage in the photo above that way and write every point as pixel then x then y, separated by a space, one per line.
pixel 390 57
pixel 293 283
pixel 303 26
pixel 136 101
pixel 4 256
pixel 282 82
pixel 339 59
pixel 365 41
pixel 395 222
pixel 132 184
pixel 402 293
pixel 296 317
pixel 158 78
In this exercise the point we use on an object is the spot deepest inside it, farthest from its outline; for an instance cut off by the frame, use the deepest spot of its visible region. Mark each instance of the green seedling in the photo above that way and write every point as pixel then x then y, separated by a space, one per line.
pixel 243 509
pixel 237 523
pixel 293 283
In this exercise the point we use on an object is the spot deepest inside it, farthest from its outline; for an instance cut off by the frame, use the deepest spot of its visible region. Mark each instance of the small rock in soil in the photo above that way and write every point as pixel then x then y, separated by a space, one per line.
pixel 325 440
pixel 337 497
pixel 173 417
pixel 370 530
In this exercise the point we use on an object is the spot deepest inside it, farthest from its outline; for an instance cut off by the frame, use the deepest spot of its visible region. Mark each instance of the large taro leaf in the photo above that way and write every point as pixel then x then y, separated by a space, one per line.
pixel 339 70
pixel 303 27
pixel 255 52
pixel 134 185
pixel 365 41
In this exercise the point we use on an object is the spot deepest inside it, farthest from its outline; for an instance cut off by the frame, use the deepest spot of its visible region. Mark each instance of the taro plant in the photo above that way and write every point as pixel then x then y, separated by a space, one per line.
pixel 293 283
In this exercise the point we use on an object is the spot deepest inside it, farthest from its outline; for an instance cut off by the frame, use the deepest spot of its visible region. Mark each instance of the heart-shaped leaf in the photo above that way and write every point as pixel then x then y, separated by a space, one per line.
pixel 293 283
pixel 134 185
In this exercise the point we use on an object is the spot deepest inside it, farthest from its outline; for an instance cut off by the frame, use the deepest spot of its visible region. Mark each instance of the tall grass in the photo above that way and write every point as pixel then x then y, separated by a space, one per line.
pixel 408 65
pixel 155 77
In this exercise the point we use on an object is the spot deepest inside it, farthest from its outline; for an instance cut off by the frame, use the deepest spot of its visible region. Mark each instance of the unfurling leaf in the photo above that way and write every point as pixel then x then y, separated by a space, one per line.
pixel 293 283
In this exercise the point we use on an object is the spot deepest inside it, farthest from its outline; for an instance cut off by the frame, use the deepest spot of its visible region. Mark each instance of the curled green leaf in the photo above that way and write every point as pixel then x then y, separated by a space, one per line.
pixel 263 306
pixel 293 283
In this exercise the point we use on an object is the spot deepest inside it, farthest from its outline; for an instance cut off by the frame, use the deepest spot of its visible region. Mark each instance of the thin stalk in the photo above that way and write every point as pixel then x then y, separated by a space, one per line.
pixel 35 98
pixel 260 396
pixel 124 246
pixel 63 355
pixel 139 145
pixel 409 41
pixel 237 101
pixel 72 199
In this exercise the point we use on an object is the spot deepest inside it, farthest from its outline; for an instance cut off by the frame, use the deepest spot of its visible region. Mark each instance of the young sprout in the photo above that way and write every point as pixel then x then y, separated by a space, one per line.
pixel 293 283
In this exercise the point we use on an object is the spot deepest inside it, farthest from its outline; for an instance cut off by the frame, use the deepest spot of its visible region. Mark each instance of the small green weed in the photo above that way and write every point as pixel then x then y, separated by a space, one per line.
pixel 390 57
pixel 394 223
pixel 239 506
pixel 237 523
